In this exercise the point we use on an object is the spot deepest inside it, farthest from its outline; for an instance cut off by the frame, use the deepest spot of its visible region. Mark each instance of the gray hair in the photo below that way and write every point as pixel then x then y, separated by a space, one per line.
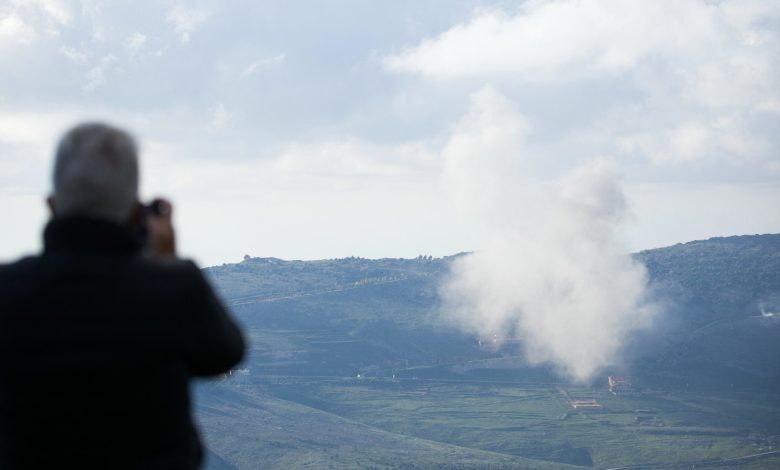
pixel 96 173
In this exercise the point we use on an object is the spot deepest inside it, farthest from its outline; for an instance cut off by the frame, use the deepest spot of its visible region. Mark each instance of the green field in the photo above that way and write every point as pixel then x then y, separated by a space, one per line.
pixel 249 429
pixel 425 424
pixel 301 405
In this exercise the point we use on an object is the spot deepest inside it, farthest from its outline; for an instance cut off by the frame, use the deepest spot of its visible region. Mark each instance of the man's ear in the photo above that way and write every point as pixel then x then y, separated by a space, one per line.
pixel 136 214
pixel 52 208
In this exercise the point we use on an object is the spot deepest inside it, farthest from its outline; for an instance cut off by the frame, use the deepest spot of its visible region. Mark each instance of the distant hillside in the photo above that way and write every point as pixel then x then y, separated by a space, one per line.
pixel 722 329
pixel 723 277
pixel 354 315
pixel 270 278
pixel 390 289
pixel 349 369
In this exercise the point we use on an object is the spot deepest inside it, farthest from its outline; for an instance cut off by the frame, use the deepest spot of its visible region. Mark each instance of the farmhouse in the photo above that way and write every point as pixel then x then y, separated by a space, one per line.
pixel 589 404
pixel 620 386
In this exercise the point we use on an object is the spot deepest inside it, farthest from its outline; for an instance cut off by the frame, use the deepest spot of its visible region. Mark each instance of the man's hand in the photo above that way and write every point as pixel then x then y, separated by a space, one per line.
pixel 161 237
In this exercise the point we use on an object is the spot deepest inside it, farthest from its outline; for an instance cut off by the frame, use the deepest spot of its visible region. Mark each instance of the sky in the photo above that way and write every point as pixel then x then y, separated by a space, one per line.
pixel 325 129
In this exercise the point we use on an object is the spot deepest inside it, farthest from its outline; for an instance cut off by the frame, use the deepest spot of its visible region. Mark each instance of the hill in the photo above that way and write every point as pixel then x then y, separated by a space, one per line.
pixel 355 315
pixel 719 278
pixel 353 346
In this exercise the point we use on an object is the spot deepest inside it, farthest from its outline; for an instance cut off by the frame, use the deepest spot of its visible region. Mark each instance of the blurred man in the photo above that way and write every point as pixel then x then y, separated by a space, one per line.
pixel 101 334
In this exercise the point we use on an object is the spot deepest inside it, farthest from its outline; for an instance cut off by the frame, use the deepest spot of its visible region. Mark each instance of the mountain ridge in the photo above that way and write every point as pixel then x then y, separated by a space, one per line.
pixel 376 314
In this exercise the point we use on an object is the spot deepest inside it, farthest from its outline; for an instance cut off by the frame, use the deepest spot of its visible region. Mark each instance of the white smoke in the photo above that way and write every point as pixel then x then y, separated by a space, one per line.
pixel 555 276
pixel 766 313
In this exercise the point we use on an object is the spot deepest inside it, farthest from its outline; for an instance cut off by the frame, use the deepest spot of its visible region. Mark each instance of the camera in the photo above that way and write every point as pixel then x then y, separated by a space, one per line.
pixel 153 209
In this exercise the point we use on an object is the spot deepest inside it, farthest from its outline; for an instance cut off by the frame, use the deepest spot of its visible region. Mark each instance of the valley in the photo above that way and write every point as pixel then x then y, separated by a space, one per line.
pixel 350 368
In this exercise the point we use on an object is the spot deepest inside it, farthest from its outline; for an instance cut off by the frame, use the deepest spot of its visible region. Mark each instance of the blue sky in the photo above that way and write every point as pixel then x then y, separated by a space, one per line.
pixel 324 129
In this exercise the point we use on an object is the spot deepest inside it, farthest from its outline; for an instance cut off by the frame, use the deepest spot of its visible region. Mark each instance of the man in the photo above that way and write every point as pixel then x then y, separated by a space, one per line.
pixel 101 334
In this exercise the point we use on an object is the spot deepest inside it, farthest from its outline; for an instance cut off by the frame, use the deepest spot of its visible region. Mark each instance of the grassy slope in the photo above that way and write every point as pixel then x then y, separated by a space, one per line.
pixel 658 427
pixel 250 429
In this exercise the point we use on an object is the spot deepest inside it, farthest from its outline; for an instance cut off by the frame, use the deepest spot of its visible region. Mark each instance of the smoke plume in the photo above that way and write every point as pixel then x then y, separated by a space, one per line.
pixel 555 275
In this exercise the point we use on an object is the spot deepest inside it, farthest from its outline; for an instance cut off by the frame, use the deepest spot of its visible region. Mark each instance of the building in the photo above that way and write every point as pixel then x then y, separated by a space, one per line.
pixel 620 386
pixel 583 405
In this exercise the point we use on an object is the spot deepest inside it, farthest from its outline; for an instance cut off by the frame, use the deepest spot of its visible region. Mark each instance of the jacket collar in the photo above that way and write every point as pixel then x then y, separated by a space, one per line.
pixel 86 235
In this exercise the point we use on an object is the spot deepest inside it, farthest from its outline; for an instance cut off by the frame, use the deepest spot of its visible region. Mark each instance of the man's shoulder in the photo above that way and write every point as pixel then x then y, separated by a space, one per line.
pixel 171 272
pixel 20 267
pixel 169 267
pixel 18 278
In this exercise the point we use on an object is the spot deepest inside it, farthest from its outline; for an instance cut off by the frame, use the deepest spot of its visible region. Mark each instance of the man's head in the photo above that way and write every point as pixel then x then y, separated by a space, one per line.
pixel 96 174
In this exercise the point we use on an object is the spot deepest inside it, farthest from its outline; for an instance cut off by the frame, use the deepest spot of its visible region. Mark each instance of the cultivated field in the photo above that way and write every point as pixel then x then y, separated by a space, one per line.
pixel 490 425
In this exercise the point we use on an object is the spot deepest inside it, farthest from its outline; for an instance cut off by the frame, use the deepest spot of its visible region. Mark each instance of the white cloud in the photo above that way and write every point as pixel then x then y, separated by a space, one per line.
pixel 701 73
pixel 96 76
pixel 544 40
pixel 744 78
pixel 566 40
pixel 266 62
pixel 92 11
pixel 73 54
pixel 14 29
pixel 725 139
pixel 23 20
pixel 220 116
pixel 135 41
pixel 38 129
pixel 186 20
pixel 357 160
pixel 27 140
pixel 55 11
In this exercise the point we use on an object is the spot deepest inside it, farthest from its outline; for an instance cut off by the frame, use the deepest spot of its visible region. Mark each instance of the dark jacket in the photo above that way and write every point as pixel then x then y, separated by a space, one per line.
pixel 97 348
